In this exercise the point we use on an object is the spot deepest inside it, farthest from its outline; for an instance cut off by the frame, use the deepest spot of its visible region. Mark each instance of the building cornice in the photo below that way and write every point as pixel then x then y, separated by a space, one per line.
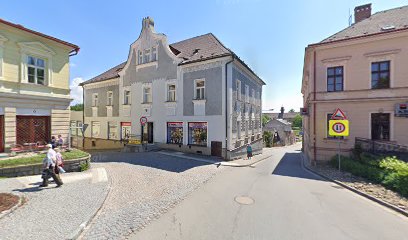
pixel 106 83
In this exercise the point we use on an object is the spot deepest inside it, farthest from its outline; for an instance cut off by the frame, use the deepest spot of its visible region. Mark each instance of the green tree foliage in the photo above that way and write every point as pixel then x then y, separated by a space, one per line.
pixel 78 107
pixel 265 119
pixel 268 137
pixel 297 121
pixel 292 110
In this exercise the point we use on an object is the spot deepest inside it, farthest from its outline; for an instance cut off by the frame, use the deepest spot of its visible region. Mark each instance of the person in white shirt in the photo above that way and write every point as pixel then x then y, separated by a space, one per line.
pixel 49 164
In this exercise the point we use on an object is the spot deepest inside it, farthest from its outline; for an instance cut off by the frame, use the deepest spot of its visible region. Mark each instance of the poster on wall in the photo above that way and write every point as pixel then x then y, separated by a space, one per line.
pixel 197 133
pixel 175 132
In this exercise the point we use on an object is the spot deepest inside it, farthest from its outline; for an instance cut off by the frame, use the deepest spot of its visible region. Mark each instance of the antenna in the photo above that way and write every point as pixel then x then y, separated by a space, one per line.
pixel 350 18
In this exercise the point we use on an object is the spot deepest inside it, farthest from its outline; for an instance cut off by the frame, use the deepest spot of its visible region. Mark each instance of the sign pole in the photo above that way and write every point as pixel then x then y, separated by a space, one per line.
pixel 339 155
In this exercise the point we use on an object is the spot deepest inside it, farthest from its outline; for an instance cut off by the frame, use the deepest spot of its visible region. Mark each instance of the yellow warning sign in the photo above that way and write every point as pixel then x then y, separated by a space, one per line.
pixel 339 128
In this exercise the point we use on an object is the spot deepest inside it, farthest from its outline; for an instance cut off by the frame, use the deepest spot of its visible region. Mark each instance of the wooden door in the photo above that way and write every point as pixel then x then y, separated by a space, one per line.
pixel 32 129
pixel 216 148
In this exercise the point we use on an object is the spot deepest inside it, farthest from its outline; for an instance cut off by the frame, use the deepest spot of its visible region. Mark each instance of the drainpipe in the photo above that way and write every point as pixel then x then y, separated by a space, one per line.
pixel 226 104
pixel 314 107
pixel 83 117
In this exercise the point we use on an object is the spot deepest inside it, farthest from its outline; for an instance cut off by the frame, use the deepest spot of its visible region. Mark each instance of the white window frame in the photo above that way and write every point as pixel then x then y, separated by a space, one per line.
pixel 115 125
pixel 147 97
pixel 202 89
pixel 239 89
pixel 36 67
pixel 253 98
pixel 246 93
pixel 94 125
pixel 153 58
pixel 95 100
pixel 146 56
pixel 171 92
pixel 127 97
pixel 109 98
pixel 140 57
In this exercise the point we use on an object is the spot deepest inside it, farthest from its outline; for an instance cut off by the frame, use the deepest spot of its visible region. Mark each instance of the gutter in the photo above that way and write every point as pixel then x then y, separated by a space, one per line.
pixel 226 103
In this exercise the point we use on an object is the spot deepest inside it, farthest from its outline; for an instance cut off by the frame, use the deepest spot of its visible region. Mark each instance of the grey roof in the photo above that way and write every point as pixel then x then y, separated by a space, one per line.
pixel 191 50
pixel 287 115
pixel 381 22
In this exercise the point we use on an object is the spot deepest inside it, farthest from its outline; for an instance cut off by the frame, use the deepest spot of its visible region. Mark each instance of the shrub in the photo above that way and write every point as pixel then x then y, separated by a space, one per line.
pixel 371 173
pixel 84 166
pixel 357 151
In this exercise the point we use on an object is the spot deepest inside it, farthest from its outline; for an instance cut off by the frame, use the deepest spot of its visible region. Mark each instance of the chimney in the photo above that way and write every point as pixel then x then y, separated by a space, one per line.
pixel 362 12
pixel 148 23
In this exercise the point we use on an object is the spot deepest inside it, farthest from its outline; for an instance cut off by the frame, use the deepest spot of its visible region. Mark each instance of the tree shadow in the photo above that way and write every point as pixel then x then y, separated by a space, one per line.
pixel 149 159
pixel 291 166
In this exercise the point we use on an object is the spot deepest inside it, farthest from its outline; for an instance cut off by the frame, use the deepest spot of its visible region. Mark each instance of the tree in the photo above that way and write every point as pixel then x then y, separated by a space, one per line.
pixel 297 121
pixel 78 107
pixel 265 119
pixel 292 110
pixel 267 138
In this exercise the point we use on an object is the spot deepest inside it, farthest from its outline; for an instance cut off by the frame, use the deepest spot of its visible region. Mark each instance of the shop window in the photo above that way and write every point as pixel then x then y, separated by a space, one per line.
pixel 112 130
pixel 197 133
pixel 95 129
pixel 175 132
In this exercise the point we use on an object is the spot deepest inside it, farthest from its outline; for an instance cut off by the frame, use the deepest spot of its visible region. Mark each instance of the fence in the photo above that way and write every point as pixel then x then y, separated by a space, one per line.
pixel 383 147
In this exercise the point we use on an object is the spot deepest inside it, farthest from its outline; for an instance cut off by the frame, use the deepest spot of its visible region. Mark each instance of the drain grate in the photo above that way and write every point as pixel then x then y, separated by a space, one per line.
pixel 244 200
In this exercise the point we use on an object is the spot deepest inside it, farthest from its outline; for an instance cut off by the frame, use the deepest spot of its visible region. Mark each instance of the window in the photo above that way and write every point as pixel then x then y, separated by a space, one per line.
pixel 79 131
pixel 258 98
pixel 334 79
pixel 95 129
pixel 109 98
pixel 95 100
pixel 171 93
pixel 175 132
pixel 197 133
pixel 380 75
pixel 239 128
pixel 246 93
pixel 380 126
pixel 73 128
pixel 200 89
pixel 147 94
pixel 238 90
pixel 154 54
pixel 126 98
pixel 36 70
pixel 253 98
pixel 146 56
pixel 112 130
pixel 328 136
pixel 140 57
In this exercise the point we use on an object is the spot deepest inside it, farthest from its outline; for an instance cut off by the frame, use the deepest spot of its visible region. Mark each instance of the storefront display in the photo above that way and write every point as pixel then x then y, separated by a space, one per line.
pixel 197 133
pixel 175 132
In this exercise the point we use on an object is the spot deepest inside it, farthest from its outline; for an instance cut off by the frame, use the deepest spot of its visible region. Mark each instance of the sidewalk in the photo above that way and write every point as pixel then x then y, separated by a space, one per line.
pixel 53 213
pixel 267 152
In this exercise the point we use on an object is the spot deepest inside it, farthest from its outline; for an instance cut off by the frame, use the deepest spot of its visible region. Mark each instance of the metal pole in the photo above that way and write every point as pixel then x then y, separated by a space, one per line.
pixel 339 156
pixel 69 138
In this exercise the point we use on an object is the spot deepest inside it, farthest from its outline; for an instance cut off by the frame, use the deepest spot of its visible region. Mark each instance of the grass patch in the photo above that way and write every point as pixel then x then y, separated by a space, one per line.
pixel 388 171
pixel 73 154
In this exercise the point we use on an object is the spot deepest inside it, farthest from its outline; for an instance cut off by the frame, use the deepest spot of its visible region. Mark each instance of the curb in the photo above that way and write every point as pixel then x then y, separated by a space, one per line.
pixel 379 201
pixel 249 164
pixel 19 204
pixel 85 224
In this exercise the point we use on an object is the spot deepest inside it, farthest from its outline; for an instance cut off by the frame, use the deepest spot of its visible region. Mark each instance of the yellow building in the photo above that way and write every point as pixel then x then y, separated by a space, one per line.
pixel 34 86
pixel 363 71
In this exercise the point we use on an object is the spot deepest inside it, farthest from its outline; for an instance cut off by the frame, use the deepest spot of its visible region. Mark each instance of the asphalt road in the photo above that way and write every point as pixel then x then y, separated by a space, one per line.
pixel 289 203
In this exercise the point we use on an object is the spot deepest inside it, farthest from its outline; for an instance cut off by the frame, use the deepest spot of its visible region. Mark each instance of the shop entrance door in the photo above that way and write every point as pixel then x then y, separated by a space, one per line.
pixel 32 129
pixel 2 133
pixel 148 132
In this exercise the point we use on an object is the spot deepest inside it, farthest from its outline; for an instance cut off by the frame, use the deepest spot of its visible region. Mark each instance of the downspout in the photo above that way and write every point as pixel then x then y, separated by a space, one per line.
pixel 83 116
pixel 314 107
pixel 226 104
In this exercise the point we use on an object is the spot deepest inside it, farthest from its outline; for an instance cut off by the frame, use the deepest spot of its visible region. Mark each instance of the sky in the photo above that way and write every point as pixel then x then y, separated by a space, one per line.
pixel 270 36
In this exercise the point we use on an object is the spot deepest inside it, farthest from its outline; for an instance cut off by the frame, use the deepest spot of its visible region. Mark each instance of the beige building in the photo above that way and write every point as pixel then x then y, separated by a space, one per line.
pixel 34 86
pixel 363 71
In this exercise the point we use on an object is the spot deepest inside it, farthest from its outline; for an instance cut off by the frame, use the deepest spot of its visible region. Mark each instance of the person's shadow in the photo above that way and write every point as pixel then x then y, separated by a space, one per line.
pixel 35 188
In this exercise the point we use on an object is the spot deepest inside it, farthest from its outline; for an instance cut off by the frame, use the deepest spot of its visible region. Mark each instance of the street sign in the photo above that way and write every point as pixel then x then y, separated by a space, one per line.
pixel 339 128
pixel 143 120
pixel 338 115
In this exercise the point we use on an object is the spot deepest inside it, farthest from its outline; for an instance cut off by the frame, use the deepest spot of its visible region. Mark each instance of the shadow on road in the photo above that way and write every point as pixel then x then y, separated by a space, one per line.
pixel 290 166
pixel 149 159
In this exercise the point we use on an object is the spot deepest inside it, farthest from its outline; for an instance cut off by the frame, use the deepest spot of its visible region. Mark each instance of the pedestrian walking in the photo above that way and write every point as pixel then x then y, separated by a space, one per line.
pixel 59 168
pixel 49 164
pixel 249 151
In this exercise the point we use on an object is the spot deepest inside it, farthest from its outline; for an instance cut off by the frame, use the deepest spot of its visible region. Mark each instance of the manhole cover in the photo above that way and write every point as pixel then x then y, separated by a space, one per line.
pixel 244 200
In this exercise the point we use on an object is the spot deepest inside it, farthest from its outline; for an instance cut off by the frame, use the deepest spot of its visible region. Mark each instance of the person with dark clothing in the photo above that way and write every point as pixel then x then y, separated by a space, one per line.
pixel 249 151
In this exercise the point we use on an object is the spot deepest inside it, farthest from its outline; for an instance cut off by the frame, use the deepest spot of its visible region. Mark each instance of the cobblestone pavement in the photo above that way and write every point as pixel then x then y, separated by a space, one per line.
pixel 144 186
pixel 52 213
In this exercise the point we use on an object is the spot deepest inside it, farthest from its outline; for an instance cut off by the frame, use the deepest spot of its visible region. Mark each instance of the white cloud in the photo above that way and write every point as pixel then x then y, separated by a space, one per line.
pixel 76 90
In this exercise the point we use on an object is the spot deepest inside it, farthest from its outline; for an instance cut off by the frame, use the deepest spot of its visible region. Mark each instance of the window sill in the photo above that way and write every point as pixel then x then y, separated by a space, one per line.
pixel 149 64
pixel 199 100
pixel 170 103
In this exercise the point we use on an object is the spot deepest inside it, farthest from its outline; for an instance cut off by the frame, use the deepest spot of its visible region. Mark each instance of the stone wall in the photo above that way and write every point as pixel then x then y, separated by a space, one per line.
pixel 257 148
pixel 36 169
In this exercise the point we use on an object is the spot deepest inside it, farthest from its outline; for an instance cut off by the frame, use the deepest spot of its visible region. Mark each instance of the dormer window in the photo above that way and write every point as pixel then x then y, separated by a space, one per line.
pixel 36 70
pixel 154 54
pixel 146 56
